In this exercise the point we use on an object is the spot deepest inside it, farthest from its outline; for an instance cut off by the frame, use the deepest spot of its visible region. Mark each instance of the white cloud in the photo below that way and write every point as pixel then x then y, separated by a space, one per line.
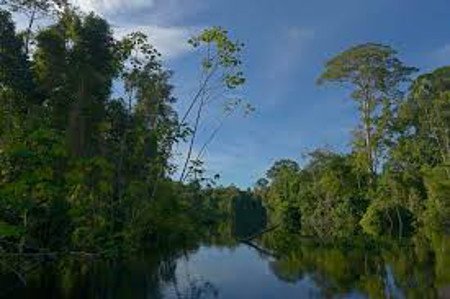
pixel 300 34
pixel 155 18
pixel 142 11
pixel 170 41
pixel 111 6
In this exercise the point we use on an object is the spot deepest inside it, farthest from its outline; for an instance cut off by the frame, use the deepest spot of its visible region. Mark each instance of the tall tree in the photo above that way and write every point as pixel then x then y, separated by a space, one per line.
pixel 92 69
pixel 221 74
pixel 377 77
pixel 16 82
pixel 51 70
pixel 14 71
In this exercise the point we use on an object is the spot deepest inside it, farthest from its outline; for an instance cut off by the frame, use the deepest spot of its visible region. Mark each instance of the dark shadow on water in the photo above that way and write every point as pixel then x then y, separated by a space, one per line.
pixel 358 267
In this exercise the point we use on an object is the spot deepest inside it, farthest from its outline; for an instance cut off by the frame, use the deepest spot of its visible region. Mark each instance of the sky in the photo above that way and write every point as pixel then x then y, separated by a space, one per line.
pixel 287 43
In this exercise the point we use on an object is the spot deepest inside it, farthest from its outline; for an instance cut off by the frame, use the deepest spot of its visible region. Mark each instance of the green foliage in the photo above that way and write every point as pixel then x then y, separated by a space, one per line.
pixel 438 205
pixel 7 230
pixel 382 218
pixel 15 74
pixel 82 170
pixel 221 53
pixel 323 198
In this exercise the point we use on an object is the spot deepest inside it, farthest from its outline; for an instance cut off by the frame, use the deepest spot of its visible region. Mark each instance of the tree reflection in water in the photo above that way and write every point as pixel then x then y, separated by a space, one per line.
pixel 417 267
pixel 145 277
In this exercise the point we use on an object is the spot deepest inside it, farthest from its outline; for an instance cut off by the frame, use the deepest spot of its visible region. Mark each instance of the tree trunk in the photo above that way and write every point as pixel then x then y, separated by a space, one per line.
pixel 391 223
pixel 367 120
pixel 29 30
pixel 77 125
pixel 23 238
pixel 400 223
pixel 191 145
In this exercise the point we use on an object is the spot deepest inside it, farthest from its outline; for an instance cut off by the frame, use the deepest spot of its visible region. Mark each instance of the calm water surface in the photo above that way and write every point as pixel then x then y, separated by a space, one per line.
pixel 242 271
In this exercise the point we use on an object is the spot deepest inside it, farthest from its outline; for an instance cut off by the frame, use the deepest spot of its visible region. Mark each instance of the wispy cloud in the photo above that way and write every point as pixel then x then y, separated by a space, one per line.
pixel 285 58
pixel 170 41
pixel 299 34
pixel 442 54
pixel 294 41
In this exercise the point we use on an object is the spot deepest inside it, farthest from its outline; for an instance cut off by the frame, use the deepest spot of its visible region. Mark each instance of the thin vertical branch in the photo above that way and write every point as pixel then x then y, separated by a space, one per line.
pixel 192 142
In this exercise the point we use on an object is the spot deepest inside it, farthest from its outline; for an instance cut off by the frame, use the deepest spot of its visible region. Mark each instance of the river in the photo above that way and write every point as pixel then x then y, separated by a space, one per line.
pixel 416 269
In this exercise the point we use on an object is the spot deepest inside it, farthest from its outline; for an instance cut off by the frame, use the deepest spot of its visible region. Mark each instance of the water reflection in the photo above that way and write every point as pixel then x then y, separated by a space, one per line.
pixel 277 265
pixel 145 277
pixel 416 268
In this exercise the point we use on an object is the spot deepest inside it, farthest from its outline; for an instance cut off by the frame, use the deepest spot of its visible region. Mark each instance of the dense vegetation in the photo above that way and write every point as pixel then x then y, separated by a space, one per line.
pixel 87 131
pixel 396 178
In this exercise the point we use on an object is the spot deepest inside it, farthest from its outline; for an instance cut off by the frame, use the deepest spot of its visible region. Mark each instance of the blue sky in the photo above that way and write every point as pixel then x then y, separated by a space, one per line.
pixel 287 43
